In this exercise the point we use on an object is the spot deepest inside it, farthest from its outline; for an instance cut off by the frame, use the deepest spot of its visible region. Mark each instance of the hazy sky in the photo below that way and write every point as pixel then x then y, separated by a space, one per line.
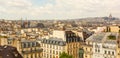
pixel 60 9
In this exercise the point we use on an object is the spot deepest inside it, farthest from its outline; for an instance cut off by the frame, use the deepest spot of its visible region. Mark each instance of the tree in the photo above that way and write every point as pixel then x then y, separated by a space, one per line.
pixel 65 55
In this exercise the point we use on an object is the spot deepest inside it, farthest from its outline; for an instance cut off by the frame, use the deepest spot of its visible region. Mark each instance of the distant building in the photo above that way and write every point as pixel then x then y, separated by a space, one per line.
pixel 113 29
pixel 110 16
pixel 25 24
pixel 3 40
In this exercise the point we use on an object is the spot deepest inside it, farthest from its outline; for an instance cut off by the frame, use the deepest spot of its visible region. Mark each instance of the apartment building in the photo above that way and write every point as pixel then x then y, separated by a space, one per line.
pixel 104 45
pixel 53 47
pixel 31 49
pixel 61 41
pixel 85 50
pixel 27 48
pixel 3 40
pixel 118 47
pixel 118 52
pixel 113 28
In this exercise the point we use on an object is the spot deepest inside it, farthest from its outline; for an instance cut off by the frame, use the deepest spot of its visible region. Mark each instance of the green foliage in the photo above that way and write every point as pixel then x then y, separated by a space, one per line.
pixel 65 55
pixel 112 37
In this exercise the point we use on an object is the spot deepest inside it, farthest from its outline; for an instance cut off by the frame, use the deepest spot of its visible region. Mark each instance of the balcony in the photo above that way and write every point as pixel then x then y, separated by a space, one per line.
pixel 26 52
pixel 106 47
pixel 86 45
pixel 32 51
pixel 89 53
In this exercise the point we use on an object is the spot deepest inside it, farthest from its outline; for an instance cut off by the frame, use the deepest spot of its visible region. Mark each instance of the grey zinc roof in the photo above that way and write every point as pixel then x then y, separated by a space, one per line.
pixel 96 37
pixel 54 41
pixel 111 42
pixel 102 37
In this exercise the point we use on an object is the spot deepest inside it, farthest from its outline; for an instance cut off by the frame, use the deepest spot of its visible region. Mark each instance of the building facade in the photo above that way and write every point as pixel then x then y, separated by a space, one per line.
pixel 104 45
pixel 52 48
pixel 31 49
pixel 62 41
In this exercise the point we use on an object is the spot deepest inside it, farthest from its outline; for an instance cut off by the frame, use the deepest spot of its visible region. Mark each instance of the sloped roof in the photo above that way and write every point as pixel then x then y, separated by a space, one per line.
pixel 9 52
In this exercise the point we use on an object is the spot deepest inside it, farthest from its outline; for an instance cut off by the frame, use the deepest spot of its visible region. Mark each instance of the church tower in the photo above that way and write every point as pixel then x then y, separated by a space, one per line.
pixel 110 16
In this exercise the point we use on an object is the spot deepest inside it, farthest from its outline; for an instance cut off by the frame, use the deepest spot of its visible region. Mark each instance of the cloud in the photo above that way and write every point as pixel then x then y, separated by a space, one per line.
pixel 62 9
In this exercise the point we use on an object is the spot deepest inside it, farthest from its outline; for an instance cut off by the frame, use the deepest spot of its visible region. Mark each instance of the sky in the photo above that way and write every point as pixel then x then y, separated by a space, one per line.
pixel 58 9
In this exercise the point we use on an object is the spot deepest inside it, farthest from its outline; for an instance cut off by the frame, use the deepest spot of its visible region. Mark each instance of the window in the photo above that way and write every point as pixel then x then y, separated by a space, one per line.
pixel 56 47
pixel 31 56
pixel 74 34
pixel 112 53
pixel 56 52
pixel 27 57
pixel 50 56
pixel 98 50
pixel 26 44
pixel 88 43
pixel 86 49
pixel 95 50
pixel 59 52
pixel 68 35
pixel 50 51
pixel 35 55
pixel 53 52
pixel 23 45
pixel 108 52
pixel 9 42
pixel 90 49
pixel 105 52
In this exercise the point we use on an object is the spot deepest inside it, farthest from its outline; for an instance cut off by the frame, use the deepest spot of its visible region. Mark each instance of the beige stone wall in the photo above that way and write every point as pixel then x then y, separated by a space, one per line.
pixel 114 28
pixel 3 41
pixel 87 51
pixel 59 34
pixel 118 53
pixel 73 49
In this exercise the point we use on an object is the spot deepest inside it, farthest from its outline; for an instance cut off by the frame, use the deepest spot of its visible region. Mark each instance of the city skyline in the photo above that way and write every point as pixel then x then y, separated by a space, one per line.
pixel 97 37
pixel 57 9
